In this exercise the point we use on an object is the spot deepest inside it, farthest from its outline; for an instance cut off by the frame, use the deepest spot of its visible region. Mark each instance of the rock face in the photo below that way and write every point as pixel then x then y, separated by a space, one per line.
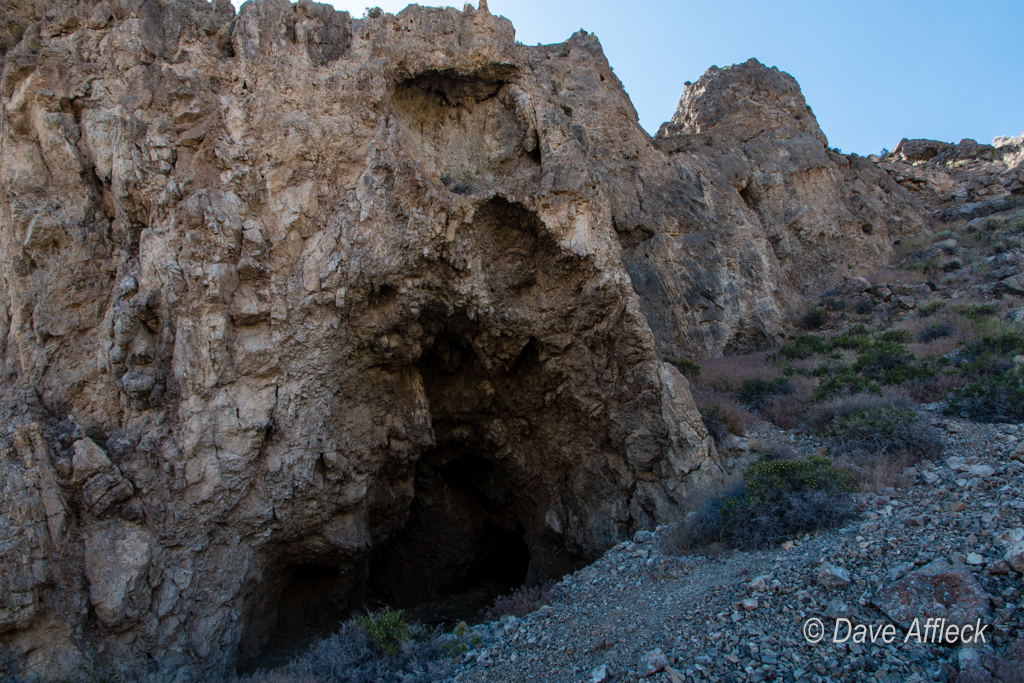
pixel 965 180
pixel 301 308
pixel 748 129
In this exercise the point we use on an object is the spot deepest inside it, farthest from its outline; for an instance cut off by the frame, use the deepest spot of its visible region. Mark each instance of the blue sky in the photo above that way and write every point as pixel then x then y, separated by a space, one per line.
pixel 873 71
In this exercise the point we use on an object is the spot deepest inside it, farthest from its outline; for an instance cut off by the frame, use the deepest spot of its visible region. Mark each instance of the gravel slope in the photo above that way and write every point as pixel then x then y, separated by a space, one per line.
pixel 738 616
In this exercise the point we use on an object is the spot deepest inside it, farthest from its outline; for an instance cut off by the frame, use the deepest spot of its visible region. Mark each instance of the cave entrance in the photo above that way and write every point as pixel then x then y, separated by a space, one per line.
pixel 296 606
pixel 462 546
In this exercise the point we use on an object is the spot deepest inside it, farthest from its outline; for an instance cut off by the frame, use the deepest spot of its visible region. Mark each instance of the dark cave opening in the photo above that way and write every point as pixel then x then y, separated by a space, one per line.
pixel 462 546
pixel 298 605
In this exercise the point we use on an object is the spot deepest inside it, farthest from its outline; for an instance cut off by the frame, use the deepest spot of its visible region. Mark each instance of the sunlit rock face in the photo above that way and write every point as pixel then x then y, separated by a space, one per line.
pixel 302 310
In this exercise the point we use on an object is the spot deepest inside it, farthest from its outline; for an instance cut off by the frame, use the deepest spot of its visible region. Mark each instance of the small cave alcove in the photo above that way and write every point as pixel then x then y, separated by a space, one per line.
pixel 462 546
pixel 294 606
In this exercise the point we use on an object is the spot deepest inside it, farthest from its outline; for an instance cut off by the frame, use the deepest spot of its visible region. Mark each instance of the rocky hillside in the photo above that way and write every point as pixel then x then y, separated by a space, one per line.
pixel 303 311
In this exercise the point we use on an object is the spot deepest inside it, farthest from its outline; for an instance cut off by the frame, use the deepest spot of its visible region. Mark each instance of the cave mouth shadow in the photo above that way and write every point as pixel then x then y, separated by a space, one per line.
pixel 462 547
pixel 300 604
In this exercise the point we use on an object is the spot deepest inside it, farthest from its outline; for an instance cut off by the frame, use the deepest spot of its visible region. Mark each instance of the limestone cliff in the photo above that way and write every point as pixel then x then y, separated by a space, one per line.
pixel 299 308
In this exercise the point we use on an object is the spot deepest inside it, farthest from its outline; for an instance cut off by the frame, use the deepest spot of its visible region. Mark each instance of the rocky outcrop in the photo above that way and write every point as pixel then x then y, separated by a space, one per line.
pixel 826 215
pixel 301 308
pixel 965 180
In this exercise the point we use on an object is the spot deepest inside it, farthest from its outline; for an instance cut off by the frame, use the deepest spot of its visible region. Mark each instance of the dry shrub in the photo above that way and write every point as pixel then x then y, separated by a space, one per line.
pixel 936 388
pixel 876 471
pixel 722 413
pixel 777 500
pixel 887 276
pixel 862 426
pixel 677 540
pixel 349 656
pixel 785 412
pixel 727 373
pixel 522 601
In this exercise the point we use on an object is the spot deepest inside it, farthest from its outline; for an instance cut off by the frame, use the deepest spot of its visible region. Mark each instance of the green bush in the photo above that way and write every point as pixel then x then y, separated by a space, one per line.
pixel 841 379
pixel 993 399
pixel 976 311
pixel 830 303
pixel 889 362
pixel 863 307
pixel 930 307
pixel 804 346
pixel 770 479
pixel 897 336
pixel 936 331
pixel 777 500
pixel 387 629
pixel 814 319
pixel 756 392
pixel 685 366
pixel 857 337
pixel 865 425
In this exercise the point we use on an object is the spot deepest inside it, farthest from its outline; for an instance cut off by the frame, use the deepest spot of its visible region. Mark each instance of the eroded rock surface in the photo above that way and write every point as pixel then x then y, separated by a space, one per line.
pixel 301 308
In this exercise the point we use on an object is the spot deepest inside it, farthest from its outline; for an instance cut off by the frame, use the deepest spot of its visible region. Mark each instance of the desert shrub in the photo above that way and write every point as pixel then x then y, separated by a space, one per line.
pixel 831 303
pixel 804 346
pixel 387 629
pixel 999 398
pixel 685 366
pixel 952 265
pixel 857 337
pixel 936 388
pixel 895 336
pixel 350 656
pixel 374 12
pixel 841 380
pixel 777 500
pixel 861 426
pixel 863 307
pixel 755 392
pixel 814 319
pixel 522 601
pixel 929 308
pixel 976 311
pixel 1001 345
pixel 889 362
pixel 717 422
pixel 783 411
pixel 936 331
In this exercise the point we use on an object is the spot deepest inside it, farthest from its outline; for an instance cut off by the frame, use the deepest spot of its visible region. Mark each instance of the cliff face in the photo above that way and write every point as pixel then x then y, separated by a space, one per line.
pixel 300 308
pixel 826 215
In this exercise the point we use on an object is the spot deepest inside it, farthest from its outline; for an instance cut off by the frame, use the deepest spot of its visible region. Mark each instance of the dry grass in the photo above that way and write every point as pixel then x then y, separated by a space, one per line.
pixel 936 388
pixel 875 472
pixel 736 419
pixel 727 373
pixel 522 601
pixel 887 276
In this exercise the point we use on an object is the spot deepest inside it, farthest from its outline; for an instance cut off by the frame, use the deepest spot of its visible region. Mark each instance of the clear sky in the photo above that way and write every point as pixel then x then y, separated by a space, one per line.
pixel 873 71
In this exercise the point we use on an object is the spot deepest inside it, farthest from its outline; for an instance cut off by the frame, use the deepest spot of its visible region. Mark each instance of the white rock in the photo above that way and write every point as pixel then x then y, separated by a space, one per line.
pixel 1015 556
pixel 975 559
pixel 983 471
pixel 652 662
pixel 601 674
pixel 116 559
pixel 831 576
pixel 1010 536
pixel 957 464
pixel 89 459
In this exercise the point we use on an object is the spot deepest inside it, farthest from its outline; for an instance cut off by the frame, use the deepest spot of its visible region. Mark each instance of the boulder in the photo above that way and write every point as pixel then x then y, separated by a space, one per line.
pixel 937 590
